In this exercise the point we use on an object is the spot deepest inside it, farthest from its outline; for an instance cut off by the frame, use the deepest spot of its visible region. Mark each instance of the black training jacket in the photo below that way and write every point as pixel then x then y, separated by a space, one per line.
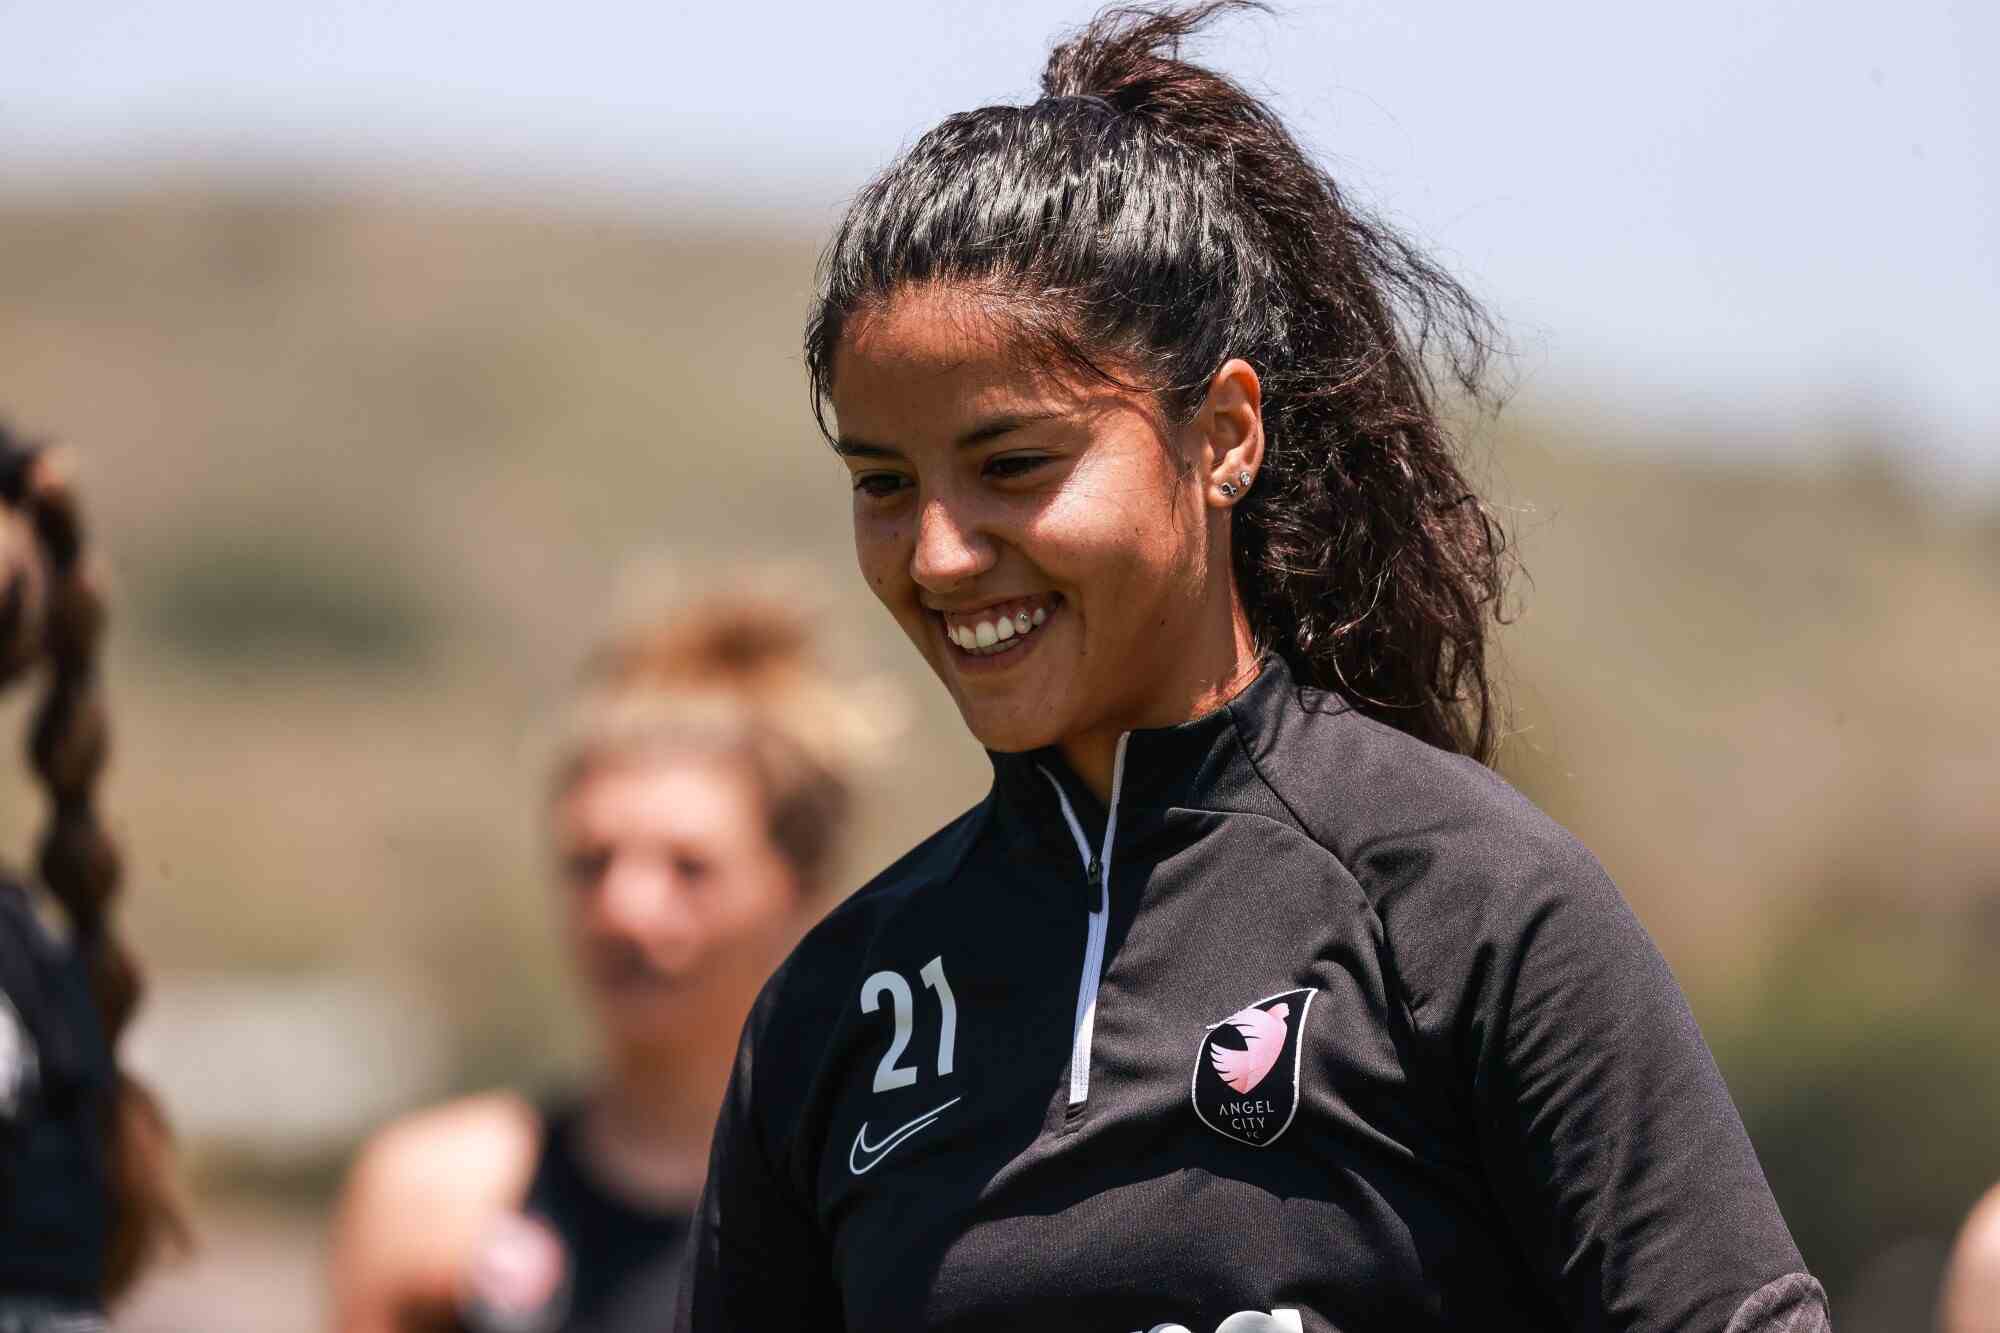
pixel 1316 1028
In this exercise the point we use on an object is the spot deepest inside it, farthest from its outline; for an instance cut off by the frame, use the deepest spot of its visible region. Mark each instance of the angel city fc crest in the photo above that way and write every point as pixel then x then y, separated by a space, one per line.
pixel 1246 1070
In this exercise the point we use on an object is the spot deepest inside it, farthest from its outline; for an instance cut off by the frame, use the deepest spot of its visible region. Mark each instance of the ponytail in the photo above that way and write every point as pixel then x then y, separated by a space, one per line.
pixel 53 614
pixel 1148 215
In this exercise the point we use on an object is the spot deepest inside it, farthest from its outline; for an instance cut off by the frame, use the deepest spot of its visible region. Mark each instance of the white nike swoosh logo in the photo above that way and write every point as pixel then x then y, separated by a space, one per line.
pixel 875 1152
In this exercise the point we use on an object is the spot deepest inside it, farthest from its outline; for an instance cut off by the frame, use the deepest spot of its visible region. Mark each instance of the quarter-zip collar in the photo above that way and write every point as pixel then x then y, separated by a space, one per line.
pixel 1039 799
pixel 1193 765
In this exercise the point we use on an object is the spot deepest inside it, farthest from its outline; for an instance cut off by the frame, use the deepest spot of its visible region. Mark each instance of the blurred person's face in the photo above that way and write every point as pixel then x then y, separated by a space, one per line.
pixel 1041 539
pixel 679 905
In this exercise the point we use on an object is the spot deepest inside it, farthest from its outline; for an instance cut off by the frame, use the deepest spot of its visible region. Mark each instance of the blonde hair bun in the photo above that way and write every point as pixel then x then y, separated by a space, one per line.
pixel 738 667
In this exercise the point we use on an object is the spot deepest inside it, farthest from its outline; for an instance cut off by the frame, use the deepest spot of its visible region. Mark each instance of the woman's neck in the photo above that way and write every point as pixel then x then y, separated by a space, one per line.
pixel 1203 685
pixel 646 1127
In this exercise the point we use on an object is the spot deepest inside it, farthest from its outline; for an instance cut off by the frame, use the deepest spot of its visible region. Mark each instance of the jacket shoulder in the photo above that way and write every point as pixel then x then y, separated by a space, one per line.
pixel 1455 862
pixel 1379 797
pixel 830 951
pixel 931 861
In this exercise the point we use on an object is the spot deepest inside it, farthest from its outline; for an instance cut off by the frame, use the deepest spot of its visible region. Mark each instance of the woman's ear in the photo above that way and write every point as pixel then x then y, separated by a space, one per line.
pixel 1231 421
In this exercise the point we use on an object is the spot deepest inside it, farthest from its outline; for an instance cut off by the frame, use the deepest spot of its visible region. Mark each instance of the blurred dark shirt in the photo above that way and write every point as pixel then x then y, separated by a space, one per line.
pixel 56 1085
pixel 576 1258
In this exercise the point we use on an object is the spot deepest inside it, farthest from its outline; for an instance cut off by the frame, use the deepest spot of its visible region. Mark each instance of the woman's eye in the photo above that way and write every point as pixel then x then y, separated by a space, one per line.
pixel 878 485
pixel 1014 465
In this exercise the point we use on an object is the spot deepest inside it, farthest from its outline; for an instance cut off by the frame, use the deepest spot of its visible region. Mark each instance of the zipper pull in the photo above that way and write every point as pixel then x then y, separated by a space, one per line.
pixel 1093 878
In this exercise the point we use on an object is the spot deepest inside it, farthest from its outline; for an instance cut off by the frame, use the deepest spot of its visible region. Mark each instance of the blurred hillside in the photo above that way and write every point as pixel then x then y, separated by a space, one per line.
pixel 369 473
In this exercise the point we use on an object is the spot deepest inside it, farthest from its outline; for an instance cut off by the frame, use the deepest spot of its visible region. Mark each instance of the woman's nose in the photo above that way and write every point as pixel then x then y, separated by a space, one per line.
pixel 949 549
pixel 638 898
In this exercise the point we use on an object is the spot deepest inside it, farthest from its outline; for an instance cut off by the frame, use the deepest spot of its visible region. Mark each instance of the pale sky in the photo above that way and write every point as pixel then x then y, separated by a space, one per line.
pixel 1756 217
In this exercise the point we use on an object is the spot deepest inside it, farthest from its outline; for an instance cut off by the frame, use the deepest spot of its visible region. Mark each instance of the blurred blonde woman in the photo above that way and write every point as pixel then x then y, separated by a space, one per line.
pixel 695 809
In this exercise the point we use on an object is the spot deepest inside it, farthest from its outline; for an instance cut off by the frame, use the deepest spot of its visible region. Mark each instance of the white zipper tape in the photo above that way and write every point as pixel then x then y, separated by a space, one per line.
pixel 1099 922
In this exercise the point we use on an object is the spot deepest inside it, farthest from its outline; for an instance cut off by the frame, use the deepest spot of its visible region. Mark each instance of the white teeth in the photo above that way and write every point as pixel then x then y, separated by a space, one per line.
pixel 985 637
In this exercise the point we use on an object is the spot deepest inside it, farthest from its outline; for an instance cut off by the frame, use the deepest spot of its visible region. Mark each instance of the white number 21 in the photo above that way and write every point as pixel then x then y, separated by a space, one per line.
pixel 888 1074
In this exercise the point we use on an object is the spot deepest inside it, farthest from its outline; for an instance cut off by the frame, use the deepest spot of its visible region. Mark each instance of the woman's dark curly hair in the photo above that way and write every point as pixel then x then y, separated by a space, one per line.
pixel 1146 214
pixel 51 620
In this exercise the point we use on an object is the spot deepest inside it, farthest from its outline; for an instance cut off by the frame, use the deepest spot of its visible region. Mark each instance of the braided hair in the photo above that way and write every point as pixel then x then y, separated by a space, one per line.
pixel 51 619
pixel 1147 219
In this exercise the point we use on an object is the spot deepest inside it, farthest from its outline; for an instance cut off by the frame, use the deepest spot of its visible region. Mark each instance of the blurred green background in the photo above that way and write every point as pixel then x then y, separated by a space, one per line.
pixel 403 349
pixel 366 472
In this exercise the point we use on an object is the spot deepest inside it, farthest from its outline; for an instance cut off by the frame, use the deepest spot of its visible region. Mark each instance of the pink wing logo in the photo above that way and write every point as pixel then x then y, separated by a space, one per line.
pixel 1263 1033
pixel 1247 1068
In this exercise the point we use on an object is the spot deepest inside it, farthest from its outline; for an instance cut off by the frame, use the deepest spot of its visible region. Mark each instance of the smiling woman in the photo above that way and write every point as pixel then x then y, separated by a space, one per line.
pixel 1248 999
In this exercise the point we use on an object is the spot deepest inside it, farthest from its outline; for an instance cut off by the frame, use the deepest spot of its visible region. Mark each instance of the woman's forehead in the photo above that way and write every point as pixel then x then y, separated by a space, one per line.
pixel 934 357
pixel 679 787
pixel 929 332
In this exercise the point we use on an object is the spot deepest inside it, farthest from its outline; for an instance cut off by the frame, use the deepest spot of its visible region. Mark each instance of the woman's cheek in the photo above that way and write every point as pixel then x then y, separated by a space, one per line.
pixel 1066 539
pixel 878 550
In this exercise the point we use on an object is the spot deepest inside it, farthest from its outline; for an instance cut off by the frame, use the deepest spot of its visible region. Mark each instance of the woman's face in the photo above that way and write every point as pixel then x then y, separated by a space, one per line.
pixel 1041 538
pixel 678 904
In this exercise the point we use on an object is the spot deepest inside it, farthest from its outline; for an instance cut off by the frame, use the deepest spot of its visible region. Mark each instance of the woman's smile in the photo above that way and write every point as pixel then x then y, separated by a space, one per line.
pixel 998 635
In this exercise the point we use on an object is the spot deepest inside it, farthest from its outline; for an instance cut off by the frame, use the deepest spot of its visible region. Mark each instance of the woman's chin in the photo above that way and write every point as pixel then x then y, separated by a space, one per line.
pixel 1011 701
pixel 639 1012
pixel 1010 730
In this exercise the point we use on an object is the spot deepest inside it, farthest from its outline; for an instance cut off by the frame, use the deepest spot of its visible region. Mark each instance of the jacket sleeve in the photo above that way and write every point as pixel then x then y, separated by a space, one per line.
pixel 756 1257
pixel 1602 1122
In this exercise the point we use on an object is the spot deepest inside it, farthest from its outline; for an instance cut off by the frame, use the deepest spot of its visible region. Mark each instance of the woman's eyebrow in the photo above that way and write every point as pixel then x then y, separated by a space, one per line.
pixel 994 427
pixel 847 446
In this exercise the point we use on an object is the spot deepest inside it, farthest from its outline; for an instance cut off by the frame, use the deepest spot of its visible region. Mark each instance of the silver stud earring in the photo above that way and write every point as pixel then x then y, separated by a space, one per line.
pixel 1243 479
pixel 1228 489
